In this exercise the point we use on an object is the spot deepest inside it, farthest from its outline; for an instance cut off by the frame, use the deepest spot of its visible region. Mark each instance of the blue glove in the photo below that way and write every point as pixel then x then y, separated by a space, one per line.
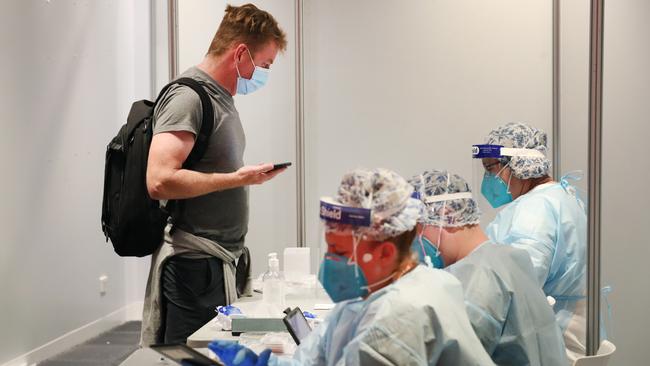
pixel 228 310
pixel 232 353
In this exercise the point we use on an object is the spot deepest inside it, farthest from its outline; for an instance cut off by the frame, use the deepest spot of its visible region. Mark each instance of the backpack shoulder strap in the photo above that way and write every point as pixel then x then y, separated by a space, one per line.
pixel 207 122
pixel 176 207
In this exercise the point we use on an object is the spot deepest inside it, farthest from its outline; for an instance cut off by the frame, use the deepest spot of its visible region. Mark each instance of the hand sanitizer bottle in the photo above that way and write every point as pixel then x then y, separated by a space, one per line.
pixel 273 286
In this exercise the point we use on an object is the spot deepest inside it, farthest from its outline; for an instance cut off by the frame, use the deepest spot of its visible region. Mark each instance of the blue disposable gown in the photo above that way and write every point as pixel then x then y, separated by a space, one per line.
pixel 508 311
pixel 550 223
pixel 418 320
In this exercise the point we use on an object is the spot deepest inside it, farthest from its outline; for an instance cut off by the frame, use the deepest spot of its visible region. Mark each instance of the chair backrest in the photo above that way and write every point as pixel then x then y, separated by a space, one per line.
pixel 601 358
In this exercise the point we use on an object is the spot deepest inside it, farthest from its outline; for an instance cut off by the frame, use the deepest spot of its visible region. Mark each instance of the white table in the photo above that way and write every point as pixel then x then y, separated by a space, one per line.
pixel 209 332
pixel 248 305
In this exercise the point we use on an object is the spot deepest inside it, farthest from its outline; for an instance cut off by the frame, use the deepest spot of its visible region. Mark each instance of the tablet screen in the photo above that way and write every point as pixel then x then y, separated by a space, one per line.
pixel 297 325
pixel 181 352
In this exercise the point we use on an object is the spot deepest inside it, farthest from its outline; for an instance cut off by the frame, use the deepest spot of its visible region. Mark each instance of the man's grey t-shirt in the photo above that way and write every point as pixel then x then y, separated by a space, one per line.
pixel 219 216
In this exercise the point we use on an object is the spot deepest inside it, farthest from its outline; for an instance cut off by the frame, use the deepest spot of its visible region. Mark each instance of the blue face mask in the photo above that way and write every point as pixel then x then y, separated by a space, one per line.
pixel 430 250
pixel 495 190
pixel 341 279
pixel 258 79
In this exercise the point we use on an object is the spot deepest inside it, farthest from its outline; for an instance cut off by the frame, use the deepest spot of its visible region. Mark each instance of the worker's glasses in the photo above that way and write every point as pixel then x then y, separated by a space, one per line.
pixel 490 168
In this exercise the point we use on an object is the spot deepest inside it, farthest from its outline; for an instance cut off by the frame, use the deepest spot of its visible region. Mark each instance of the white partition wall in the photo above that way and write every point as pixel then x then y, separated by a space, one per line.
pixel 626 91
pixel 412 85
pixel 574 87
pixel 268 117
pixel 70 71
pixel 626 173
pixel 405 85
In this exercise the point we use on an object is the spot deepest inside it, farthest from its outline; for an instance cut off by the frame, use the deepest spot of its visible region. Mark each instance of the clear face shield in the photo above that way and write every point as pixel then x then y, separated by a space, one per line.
pixel 492 176
pixel 338 218
pixel 341 276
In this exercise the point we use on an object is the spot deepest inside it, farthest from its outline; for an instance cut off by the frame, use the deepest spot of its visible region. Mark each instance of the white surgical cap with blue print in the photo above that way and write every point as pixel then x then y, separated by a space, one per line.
pixel 387 195
pixel 447 213
pixel 522 136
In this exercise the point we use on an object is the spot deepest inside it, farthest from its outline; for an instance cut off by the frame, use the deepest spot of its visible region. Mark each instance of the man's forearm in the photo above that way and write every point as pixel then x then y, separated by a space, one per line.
pixel 183 183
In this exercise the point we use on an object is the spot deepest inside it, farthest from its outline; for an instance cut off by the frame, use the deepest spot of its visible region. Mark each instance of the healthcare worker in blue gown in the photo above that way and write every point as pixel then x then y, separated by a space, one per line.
pixel 508 310
pixel 390 310
pixel 542 216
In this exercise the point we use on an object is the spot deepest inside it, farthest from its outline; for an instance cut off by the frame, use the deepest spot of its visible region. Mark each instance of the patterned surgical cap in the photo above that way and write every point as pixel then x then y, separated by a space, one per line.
pixel 387 195
pixel 522 136
pixel 449 213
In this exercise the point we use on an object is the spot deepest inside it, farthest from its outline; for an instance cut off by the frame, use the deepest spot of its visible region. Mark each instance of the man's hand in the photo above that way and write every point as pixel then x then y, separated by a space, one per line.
pixel 256 174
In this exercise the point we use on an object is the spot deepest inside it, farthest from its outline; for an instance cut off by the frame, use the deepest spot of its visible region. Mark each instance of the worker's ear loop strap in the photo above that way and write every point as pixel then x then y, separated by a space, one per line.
pixel 424 253
pixel 442 217
pixel 509 178
pixel 388 278
pixel 523 152
pixel 356 238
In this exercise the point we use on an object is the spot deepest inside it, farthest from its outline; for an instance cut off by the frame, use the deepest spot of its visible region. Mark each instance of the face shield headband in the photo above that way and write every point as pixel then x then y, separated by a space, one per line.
pixel 500 152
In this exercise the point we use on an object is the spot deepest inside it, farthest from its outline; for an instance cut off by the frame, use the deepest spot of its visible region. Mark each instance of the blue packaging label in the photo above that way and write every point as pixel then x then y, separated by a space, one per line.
pixel 486 151
pixel 354 216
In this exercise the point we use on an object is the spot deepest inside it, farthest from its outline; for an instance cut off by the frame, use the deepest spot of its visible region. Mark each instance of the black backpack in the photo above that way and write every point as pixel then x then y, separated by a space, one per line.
pixel 133 221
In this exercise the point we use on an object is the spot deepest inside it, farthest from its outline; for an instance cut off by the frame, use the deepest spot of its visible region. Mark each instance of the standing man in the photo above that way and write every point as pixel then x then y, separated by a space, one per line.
pixel 194 269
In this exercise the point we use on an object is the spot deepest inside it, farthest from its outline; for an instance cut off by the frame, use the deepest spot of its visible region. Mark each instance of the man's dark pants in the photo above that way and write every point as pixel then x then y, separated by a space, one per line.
pixel 191 290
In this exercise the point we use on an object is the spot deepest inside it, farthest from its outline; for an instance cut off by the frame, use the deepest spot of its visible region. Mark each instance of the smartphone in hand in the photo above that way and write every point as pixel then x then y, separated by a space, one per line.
pixel 279 166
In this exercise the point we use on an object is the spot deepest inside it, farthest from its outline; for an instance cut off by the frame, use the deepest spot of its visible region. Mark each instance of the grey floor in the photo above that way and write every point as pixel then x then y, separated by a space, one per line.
pixel 108 349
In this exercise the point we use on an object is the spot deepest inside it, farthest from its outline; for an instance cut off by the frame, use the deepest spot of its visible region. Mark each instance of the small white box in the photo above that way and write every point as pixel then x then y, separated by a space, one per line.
pixel 296 264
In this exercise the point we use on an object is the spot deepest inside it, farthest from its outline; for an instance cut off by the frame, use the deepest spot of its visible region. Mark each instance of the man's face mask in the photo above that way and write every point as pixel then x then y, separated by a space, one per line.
pixel 258 79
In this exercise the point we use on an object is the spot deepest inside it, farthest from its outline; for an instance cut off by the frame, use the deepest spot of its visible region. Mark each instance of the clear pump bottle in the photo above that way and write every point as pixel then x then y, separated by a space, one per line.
pixel 273 291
